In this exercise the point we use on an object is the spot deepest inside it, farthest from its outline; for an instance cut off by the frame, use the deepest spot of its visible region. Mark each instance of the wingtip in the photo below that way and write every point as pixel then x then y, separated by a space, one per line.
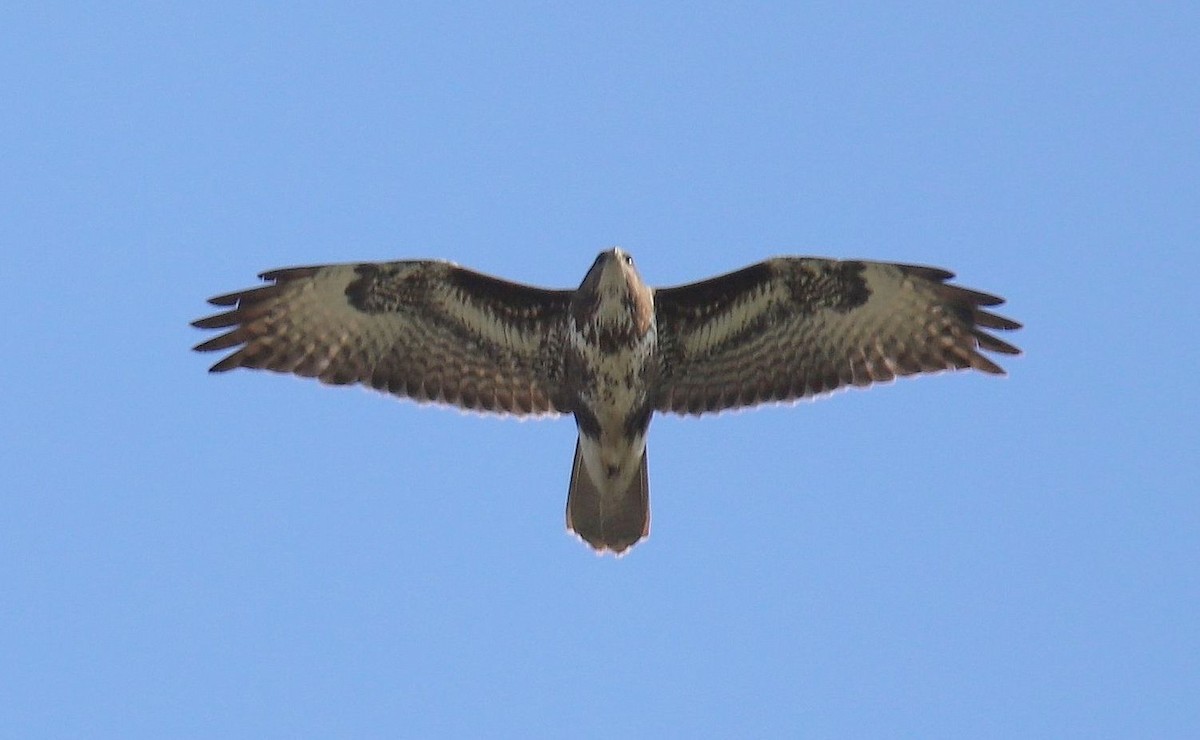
pixel 229 363
pixel 217 321
pixel 288 273
pixel 983 364
pixel 226 299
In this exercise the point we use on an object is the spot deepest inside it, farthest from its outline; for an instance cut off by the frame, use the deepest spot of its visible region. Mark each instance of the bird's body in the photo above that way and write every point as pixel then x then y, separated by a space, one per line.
pixel 611 364
pixel 611 352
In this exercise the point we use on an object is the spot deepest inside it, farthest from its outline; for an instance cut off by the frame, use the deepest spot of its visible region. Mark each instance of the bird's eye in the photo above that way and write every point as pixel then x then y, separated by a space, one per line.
pixel 628 259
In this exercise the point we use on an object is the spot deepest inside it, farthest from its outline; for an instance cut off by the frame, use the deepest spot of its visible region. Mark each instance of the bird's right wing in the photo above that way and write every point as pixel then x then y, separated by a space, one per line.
pixel 426 330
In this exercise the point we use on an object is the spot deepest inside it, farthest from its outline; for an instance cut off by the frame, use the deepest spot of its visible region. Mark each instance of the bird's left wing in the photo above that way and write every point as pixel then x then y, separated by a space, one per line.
pixel 426 330
pixel 794 327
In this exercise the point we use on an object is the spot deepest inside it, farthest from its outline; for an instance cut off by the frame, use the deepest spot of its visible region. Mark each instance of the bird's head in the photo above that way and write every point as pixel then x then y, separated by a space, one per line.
pixel 613 292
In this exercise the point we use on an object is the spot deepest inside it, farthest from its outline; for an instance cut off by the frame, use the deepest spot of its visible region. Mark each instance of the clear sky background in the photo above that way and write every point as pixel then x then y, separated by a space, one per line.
pixel 252 555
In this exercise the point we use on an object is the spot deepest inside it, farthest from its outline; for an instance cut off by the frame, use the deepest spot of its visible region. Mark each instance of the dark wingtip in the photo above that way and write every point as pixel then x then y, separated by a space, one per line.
pixel 224 341
pixel 229 363
pixel 229 299
pixel 993 344
pixel 994 321
pixel 217 321
pixel 288 273
pixel 936 274
pixel 984 365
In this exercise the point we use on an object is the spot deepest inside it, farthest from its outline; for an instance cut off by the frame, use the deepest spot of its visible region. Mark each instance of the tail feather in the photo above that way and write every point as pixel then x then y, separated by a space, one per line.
pixel 608 520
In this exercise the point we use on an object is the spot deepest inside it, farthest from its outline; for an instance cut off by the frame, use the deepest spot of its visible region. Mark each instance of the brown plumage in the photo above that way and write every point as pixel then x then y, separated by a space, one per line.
pixel 789 328
pixel 612 351
pixel 425 330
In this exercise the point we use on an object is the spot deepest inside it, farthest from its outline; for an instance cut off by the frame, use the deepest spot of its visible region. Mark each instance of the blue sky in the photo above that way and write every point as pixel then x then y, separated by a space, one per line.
pixel 251 555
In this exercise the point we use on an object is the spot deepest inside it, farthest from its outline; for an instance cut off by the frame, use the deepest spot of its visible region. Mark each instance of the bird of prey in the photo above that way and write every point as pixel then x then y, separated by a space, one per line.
pixel 611 352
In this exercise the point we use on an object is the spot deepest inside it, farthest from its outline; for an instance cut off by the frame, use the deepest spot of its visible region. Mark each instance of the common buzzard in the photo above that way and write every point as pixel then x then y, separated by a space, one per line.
pixel 611 352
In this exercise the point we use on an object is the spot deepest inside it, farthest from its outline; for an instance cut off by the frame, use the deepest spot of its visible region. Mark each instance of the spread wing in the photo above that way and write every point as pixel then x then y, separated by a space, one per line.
pixel 425 330
pixel 794 327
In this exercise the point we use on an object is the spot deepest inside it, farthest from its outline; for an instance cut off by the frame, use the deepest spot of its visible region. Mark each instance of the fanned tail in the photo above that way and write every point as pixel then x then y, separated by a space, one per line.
pixel 608 521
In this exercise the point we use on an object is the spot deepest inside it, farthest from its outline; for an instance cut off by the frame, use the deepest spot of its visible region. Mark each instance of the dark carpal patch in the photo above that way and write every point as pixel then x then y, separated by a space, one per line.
pixel 839 286
pixel 381 289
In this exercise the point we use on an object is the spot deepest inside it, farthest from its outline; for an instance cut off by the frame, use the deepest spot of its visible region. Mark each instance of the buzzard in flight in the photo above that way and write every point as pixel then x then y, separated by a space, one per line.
pixel 611 352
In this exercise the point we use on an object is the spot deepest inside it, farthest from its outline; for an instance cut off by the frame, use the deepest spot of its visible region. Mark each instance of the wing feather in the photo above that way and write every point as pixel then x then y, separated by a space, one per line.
pixel 794 327
pixel 426 330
